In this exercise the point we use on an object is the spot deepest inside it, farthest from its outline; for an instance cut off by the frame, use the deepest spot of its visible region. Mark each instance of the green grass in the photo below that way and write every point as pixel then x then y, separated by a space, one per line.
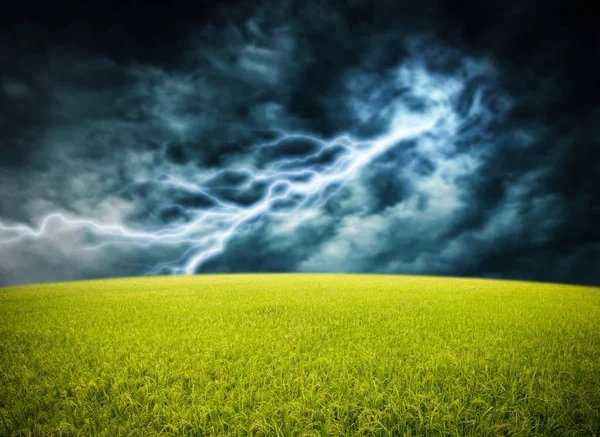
pixel 300 355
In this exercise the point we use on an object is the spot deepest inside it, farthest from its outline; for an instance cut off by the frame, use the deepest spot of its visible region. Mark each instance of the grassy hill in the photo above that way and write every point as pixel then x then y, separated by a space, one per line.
pixel 300 355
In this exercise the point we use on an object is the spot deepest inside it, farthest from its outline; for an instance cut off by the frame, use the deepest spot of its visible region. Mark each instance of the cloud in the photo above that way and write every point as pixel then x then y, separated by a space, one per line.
pixel 503 184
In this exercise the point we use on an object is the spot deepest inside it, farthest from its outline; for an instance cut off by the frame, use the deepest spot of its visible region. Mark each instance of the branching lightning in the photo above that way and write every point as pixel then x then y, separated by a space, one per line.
pixel 289 185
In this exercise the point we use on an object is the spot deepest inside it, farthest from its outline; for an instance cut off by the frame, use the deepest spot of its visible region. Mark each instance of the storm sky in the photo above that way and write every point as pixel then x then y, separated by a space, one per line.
pixel 428 137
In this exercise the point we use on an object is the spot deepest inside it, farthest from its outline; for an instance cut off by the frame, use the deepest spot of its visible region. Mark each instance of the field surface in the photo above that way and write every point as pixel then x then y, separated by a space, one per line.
pixel 322 355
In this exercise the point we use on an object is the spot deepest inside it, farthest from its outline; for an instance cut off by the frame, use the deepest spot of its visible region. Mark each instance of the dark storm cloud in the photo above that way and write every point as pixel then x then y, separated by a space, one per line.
pixel 97 103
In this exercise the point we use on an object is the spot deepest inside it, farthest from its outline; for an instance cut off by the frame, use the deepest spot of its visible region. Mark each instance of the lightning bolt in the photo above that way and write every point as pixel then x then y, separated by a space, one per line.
pixel 288 186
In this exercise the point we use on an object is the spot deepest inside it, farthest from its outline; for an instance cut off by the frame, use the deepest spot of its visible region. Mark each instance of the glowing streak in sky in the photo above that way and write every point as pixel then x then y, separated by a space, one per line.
pixel 291 185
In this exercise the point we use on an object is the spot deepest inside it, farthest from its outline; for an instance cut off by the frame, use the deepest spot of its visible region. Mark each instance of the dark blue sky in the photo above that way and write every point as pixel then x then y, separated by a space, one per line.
pixel 430 137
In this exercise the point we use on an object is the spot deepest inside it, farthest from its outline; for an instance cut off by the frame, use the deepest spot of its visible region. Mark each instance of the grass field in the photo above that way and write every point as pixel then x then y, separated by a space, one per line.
pixel 300 355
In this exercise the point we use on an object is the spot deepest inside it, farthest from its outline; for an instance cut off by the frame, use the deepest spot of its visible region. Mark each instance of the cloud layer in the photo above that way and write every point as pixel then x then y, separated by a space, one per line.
pixel 309 137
